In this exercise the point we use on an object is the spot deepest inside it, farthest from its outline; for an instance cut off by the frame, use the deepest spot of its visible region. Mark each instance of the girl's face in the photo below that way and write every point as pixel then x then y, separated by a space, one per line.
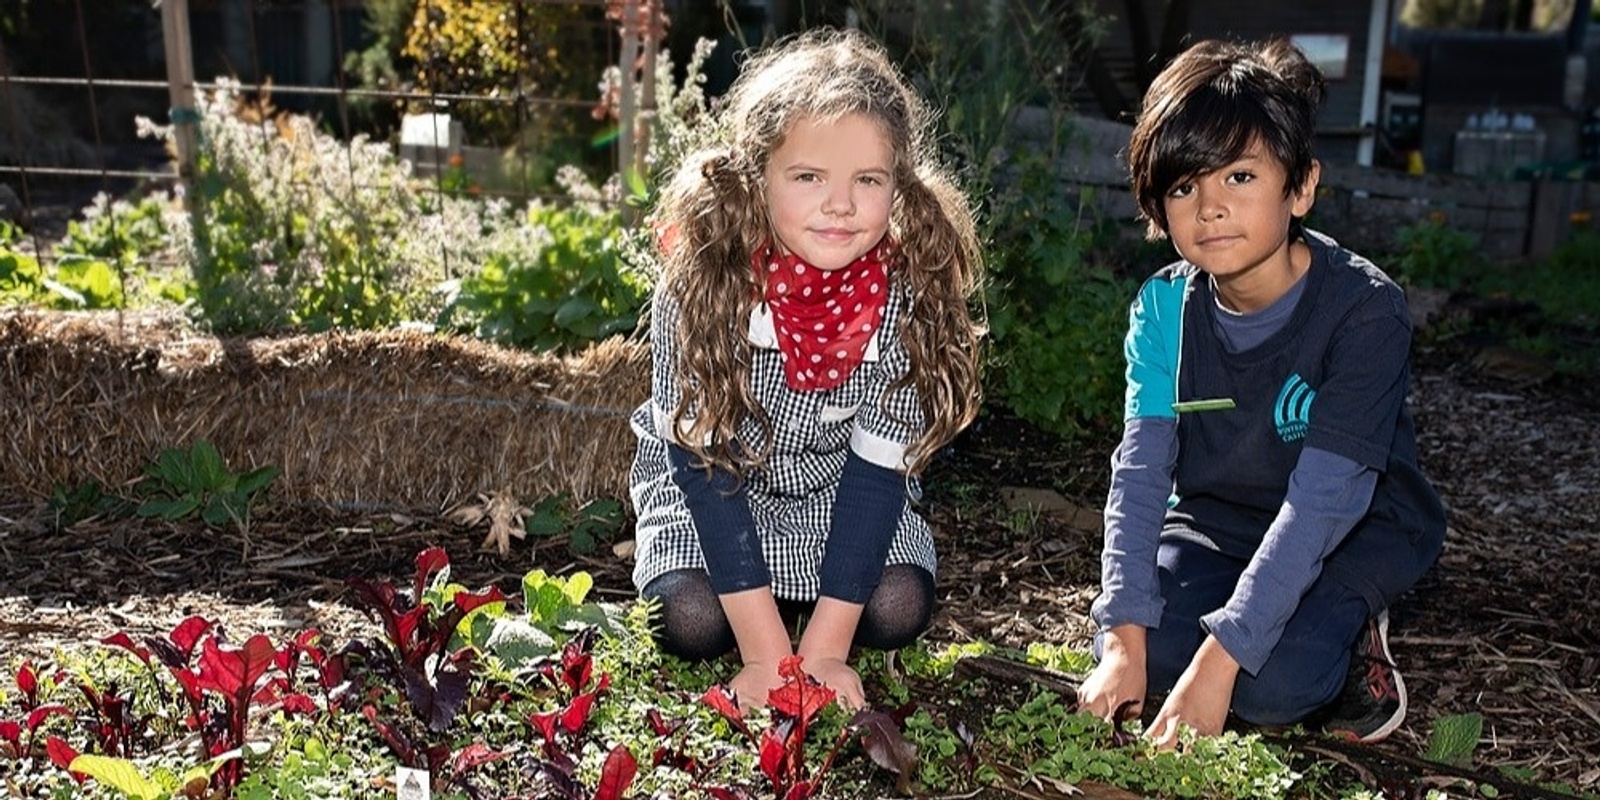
pixel 829 188
pixel 1233 223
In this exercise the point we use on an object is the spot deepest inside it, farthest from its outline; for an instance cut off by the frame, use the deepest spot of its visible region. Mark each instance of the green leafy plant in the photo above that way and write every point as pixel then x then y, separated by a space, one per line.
pixel 74 284
pixel 106 257
pixel 1436 254
pixel 180 483
pixel 1056 304
pixel 586 526
pixel 21 279
pixel 566 288
pixel 1564 285
pixel 294 228
pixel 127 234
pixel 1454 738
pixel 85 501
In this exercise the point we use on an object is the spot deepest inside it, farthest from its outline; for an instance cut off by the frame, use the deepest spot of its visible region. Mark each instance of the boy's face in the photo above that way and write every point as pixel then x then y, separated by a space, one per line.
pixel 829 188
pixel 1233 223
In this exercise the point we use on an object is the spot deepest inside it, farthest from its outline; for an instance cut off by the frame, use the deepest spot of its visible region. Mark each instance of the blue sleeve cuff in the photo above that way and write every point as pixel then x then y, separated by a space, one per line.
pixel 866 513
pixel 724 524
pixel 1246 649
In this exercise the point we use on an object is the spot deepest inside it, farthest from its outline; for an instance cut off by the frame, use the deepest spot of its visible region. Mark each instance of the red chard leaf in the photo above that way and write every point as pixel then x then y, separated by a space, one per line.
pixel 800 696
pixel 471 601
pixel 299 704
pixel 473 756
pixel 576 667
pixel 37 716
pixel 725 702
pixel 545 724
pixel 659 723
pixel 617 774
pixel 123 640
pixel 576 714
pixel 728 793
pixel 28 682
pixel 773 756
pixel 233 672
pixel 437 703
pixel 61 754
pixel 187 633
pixel 429 561
pixel 888 748
pixel 394 737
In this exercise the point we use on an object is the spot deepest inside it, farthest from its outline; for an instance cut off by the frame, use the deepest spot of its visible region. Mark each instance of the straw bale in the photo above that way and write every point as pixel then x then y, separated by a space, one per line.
pixel 397 419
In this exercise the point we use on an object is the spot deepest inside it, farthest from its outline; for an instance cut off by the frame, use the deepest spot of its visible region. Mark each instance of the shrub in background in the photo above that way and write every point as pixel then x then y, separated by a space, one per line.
pixel 294 229
pixel 1056 311
pixel 1432 253
pixel 556 282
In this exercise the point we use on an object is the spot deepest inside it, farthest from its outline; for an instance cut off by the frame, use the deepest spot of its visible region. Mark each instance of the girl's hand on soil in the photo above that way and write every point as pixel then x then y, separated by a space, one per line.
pixel 1119 677
pixel 835 674
pixel 1200 699
pixel 753 682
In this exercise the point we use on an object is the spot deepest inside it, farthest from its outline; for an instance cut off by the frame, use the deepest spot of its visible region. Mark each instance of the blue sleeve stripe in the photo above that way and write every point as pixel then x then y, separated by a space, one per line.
pixel 1153 348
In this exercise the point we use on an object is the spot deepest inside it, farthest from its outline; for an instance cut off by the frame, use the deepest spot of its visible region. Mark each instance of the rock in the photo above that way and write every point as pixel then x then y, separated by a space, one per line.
pixel 1050 503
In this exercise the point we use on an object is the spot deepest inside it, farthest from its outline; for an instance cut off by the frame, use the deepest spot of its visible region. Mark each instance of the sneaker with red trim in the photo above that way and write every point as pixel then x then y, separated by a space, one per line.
pixel 1373 703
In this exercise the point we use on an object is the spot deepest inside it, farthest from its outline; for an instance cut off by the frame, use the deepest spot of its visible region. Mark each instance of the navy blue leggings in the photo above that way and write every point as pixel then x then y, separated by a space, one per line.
pixel 1305 671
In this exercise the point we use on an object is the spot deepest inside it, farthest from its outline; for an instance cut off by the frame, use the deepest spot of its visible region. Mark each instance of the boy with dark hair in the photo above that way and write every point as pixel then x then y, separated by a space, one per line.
pixel 1265 505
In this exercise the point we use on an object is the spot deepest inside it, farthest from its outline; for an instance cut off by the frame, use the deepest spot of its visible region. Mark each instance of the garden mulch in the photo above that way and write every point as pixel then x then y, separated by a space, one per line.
pixel 1505 625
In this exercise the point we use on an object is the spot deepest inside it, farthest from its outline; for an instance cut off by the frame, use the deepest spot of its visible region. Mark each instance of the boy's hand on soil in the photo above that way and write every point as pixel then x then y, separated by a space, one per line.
pixel 835 674
pixel 1114 681
pixel 1119 677
pixel 1200 699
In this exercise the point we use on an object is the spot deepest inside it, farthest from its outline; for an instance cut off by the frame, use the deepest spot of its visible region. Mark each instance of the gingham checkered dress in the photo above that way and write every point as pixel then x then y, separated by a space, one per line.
pixel 791 499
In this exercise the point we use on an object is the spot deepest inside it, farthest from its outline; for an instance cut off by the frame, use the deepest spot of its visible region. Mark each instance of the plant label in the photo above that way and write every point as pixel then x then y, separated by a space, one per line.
pixel 412 784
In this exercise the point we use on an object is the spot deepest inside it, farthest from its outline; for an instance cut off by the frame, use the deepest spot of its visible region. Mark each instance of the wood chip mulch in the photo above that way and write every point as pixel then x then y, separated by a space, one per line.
pixel 1506 625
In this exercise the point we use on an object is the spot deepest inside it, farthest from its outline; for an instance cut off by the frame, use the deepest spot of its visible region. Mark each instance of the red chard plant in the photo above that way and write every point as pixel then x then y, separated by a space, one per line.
pixel 572 678
pixel 432 673
pixel 780 748
pixel 424 660
pixel 331 670
pixel 221 687
pixel 19 739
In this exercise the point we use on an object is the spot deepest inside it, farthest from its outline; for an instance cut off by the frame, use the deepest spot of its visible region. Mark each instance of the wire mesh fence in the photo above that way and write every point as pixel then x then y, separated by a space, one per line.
pixel 488 97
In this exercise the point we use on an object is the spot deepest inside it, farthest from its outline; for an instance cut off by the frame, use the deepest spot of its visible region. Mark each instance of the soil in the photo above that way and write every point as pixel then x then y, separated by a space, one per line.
pixel 1505 625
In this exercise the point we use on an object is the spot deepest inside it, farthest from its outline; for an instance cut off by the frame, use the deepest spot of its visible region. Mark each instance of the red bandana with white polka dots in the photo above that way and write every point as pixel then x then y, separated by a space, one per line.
pixel 824 318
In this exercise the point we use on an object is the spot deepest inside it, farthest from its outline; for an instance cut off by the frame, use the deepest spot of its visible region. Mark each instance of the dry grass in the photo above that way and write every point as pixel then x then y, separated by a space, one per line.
pixel 394 419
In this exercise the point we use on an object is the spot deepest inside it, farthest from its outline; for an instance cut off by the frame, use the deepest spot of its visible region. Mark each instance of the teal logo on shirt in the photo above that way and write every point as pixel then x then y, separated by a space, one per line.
pixel 1291 414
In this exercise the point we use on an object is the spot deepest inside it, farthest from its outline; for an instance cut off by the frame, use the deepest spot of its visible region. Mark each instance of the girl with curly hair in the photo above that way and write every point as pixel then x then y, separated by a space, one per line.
pixel 812 347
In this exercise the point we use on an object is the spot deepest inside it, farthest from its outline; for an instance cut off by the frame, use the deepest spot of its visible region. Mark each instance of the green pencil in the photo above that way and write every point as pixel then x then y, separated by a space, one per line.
pixel 1214 404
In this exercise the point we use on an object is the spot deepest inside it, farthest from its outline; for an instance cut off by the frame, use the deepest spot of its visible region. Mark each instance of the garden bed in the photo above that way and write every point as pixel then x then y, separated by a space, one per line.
pixel 1502 627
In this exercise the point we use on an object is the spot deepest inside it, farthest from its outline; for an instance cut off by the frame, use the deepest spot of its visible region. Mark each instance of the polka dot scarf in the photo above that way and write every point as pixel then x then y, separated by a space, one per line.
pixel 824 319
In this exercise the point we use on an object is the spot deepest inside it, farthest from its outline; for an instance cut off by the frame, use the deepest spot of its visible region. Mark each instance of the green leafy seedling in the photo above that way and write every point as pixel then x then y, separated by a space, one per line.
pixel 180 483
pixel 1454 738
pixel 595 522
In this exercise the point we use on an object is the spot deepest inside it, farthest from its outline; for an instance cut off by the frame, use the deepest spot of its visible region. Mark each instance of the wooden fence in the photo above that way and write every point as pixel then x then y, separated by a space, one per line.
pixel 1364 207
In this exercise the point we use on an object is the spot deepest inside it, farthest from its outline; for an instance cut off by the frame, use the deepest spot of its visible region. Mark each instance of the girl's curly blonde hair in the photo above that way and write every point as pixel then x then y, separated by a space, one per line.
pixel 715 205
